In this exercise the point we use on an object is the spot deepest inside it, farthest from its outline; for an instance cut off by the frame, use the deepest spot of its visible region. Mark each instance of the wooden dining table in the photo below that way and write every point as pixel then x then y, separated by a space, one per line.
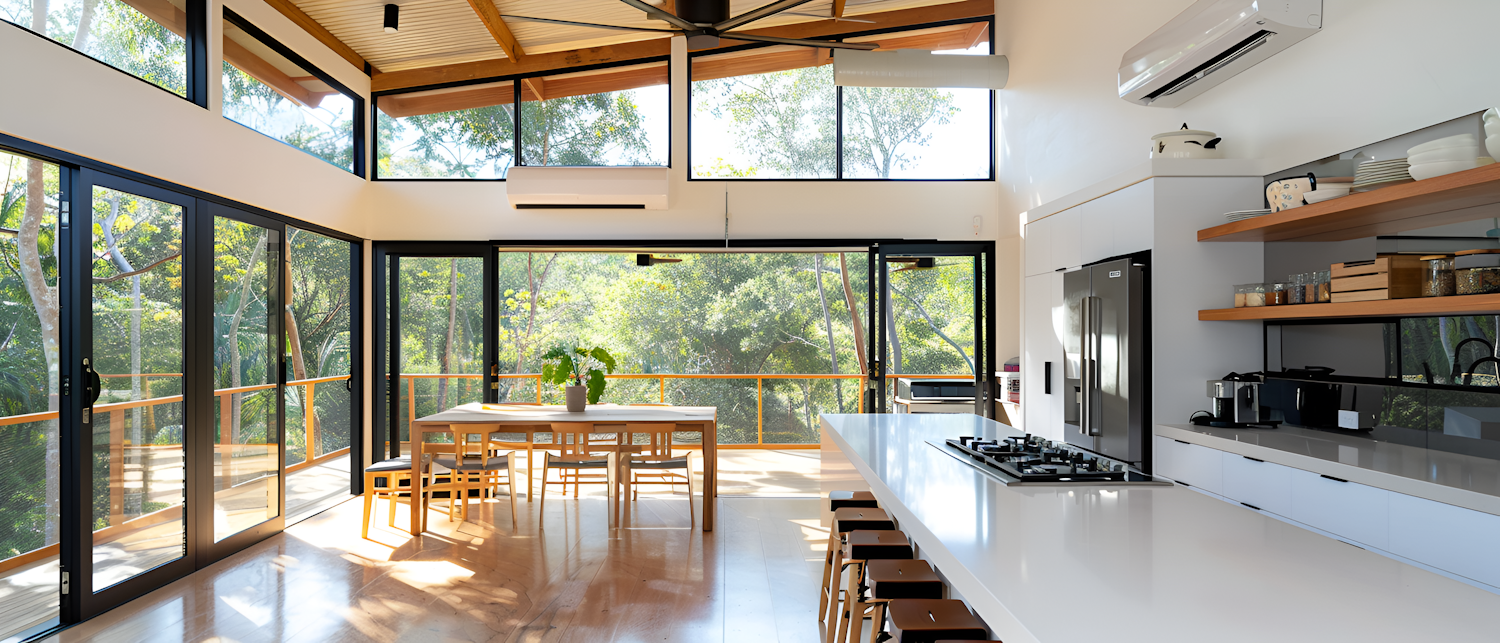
pixel 531 419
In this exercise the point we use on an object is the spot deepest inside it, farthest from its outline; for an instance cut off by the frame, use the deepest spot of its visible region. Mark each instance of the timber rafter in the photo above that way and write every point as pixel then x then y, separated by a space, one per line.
pixel 563 61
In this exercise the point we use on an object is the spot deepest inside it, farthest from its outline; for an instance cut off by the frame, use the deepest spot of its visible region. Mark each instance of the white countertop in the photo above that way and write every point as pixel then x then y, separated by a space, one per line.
pixel 1052 564
pixel 1453 478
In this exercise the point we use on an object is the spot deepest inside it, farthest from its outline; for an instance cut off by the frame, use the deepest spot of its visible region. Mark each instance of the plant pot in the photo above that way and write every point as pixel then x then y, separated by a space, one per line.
pixel 578 398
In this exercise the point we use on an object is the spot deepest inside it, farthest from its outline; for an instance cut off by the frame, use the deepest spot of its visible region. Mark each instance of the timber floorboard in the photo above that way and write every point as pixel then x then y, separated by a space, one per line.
pixel 559 578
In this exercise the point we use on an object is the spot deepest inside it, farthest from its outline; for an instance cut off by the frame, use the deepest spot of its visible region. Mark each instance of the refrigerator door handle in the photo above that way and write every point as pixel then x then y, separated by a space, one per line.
pixel 1086 366
pixel 1094 343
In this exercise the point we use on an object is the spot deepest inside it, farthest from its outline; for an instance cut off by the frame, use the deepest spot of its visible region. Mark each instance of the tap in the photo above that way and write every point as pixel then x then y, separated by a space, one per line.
pixel 1469 376
pixel 1457 368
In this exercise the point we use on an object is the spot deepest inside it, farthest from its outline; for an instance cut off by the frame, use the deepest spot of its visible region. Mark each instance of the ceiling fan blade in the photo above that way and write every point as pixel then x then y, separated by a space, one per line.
pixel 757 14
pixel 814 15
pixel 655 12
pixel 827 44
pixel 586 24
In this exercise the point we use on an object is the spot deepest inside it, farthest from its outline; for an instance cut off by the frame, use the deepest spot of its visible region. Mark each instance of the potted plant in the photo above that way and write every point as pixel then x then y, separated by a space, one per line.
pixel 580 371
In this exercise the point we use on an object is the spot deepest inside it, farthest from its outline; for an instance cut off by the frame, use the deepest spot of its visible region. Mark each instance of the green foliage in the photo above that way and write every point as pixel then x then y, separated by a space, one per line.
pixel 580 366
pixel 785 120
pixel 116 34
pixel 326 132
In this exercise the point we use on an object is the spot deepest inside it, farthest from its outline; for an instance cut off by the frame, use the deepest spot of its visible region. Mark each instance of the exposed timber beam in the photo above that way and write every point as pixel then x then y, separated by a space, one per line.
pixel 537 86
pixel 838 8
pixel 562 61
pixel 317 31
pixel 489 14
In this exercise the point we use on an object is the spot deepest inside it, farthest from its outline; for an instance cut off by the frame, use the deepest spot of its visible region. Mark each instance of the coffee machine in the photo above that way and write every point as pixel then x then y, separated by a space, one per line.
pixel 1237 403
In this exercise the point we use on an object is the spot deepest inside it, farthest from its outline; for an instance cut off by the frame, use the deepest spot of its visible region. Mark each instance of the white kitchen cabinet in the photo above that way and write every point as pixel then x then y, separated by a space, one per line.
pixel 1456 540
pixel 1039 236
pixel 1116 224
pixel 1067 251
pixel 1189 464
pixel 1360 513
pixel 1263 485
pixel 1042 411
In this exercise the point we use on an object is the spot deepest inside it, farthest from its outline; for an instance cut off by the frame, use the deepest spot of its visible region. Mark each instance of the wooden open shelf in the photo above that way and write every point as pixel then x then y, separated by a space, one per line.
pixel 1451 198
pixel 1415 307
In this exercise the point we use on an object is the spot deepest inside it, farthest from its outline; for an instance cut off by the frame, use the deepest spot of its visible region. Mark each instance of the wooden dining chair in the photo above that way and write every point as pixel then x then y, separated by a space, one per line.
pixel 657 463
pixel 474 464
pixel 383 480
pixel 576 454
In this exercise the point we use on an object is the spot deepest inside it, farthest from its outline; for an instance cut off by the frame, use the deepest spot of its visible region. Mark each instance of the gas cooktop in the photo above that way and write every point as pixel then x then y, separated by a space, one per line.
pixel 1030 460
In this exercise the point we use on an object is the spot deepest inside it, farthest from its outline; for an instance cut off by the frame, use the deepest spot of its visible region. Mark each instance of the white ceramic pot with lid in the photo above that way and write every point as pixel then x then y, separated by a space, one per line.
pixel 1186 144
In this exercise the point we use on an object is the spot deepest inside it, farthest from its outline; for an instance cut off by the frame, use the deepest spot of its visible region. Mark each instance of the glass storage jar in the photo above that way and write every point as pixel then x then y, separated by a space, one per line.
pixel 1296 289
pixel 1438 279
pixel 1325 286
pixel 1275 294
pixel 1249 295
pixel 1478 281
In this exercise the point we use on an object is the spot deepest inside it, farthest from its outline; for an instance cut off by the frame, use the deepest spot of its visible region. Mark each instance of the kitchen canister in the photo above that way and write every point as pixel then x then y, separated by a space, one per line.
pixel 1438 279
pixel 1296 289
pixel 1249 295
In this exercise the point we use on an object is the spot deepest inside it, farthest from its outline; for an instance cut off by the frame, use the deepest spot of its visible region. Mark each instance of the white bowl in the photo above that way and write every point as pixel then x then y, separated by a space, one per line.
pixel 1317 196
pixel 1450 141
pixel 1430 170
pixel 1492 145
pixel 1459 153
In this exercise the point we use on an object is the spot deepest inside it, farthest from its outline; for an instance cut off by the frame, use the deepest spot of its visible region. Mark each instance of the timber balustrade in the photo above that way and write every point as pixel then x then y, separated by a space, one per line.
pixel 113 415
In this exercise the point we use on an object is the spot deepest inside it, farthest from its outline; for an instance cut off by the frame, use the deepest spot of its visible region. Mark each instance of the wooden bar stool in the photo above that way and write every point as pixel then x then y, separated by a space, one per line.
pixel 845 520
pixel 862 546
pixel 887 580
pixel 839 499
pixel 928 620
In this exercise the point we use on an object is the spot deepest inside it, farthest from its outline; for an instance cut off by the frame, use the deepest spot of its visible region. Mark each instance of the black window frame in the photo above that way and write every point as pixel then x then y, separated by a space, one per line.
pixel 197 54
pixel 839 111
pixel 357 117
pixel 516 124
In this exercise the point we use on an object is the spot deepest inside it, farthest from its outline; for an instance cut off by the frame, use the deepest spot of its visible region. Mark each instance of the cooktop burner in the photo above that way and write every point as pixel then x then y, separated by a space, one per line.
pixel 1029 459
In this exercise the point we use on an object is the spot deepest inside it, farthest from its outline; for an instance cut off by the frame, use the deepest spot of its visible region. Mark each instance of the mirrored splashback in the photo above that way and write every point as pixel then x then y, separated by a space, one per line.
pixel 1428 382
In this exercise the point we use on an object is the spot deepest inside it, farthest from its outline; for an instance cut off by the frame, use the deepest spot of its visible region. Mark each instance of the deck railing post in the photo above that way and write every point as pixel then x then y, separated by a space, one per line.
pixel 309 423
pixel 760 414
pixel 117 468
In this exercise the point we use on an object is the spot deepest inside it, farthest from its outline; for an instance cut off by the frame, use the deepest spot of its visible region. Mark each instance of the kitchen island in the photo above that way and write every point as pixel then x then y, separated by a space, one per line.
pixel 1052 564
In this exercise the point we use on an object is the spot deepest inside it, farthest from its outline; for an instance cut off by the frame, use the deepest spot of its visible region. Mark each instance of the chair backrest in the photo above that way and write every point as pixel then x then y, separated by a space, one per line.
pixel 574 438
pixel 472 440
pixel 659 435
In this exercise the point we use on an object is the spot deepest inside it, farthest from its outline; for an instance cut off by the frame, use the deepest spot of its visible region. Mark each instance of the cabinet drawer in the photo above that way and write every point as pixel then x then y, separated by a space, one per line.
pixel 1453 539
pixel 1189 464
pixel 1358 512
pixel 1263 485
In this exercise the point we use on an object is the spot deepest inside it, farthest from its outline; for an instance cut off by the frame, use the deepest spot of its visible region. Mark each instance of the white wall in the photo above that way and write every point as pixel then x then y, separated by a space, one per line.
pixel 1378 68
pixel 84 107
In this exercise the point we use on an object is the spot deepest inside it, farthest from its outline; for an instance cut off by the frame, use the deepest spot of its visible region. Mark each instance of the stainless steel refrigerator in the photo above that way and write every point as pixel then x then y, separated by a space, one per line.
pixel 1105 375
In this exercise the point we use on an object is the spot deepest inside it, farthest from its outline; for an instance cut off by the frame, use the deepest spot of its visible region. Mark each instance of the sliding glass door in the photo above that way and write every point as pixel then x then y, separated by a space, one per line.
pixel 934 318
pixel 431 324
pixel 140 431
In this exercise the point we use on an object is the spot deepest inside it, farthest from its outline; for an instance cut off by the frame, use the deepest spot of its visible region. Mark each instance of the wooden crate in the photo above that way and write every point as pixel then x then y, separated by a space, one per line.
pixel 1390 276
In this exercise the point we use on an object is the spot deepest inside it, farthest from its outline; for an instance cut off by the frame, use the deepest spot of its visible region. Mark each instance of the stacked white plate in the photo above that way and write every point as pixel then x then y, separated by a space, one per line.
pixel 1373 175
pixel 1492 132
pixel 1241 215
pixel 1445 156
pixel 1328 190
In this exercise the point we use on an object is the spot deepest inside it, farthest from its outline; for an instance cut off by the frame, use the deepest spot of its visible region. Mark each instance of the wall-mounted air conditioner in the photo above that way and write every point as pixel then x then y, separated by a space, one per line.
pixel 1209 43
pixel 585 188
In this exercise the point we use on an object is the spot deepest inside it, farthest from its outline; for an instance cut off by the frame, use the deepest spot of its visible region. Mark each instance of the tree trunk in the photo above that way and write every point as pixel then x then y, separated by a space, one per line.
pixel 890 325
pixel 39 20
pixel 535 286
pixel 237 400
pixel 833 357
pixel 294 337
pixel 85 21
pixel 854 325
pixel 133 502
pixel 44 302
pixel 446 360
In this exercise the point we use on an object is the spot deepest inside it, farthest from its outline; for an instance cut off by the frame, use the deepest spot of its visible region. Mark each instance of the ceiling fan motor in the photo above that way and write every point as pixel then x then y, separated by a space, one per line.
pixel 703 12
